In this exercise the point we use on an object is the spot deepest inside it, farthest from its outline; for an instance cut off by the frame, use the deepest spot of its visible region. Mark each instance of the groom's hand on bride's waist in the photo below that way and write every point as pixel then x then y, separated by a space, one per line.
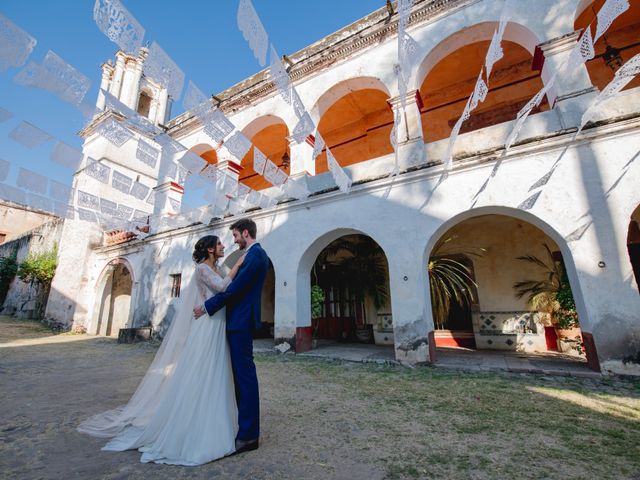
pixel 199 311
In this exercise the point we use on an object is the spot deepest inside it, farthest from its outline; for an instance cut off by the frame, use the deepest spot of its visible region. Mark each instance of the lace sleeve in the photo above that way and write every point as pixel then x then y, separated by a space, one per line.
pixel 211 279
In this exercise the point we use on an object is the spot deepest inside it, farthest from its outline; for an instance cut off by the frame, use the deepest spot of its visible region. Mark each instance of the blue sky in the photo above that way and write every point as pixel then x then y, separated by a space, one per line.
pixel 201 36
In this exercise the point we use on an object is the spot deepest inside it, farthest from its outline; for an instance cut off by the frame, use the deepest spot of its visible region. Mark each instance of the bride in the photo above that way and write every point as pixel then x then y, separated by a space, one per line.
pixel 184 410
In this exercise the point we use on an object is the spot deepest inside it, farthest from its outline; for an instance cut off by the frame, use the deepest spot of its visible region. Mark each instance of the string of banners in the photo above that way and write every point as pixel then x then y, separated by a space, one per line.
pixel 256 35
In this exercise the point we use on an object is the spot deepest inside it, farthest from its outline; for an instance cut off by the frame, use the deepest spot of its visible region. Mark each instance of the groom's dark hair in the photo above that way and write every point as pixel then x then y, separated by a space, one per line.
pixel 245 224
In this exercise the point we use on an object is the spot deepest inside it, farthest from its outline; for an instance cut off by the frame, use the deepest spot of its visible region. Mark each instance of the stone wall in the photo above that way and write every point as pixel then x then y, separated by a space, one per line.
pixel 22 298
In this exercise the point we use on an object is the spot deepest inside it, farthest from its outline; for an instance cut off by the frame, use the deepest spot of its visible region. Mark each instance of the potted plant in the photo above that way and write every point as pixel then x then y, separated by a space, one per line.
pixel 552 296
pixel 317 299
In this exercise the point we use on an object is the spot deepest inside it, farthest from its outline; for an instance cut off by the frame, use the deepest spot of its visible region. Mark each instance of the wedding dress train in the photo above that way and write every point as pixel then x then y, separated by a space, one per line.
pixel 184 411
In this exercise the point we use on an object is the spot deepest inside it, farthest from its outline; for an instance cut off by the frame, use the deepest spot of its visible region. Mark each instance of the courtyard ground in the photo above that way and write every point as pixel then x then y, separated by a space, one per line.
pixel 322 419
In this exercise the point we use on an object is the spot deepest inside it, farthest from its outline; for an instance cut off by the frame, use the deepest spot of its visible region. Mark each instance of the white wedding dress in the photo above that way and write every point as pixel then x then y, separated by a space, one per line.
pixel 184 411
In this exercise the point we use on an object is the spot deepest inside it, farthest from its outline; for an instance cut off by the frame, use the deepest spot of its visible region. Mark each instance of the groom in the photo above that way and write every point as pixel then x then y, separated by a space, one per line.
pixel 243 300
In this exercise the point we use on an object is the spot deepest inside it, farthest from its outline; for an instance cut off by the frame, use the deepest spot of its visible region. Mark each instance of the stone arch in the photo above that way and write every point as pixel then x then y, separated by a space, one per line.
pixel 447 75
pixel 113 280
pixel 633 244
pixel 355 120
pixel 305 264
pixel 269 134
pixel 206 152
pixel 530 219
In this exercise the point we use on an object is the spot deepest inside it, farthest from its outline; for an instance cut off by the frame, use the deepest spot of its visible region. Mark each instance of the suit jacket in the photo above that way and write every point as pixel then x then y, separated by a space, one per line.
pixel 243 296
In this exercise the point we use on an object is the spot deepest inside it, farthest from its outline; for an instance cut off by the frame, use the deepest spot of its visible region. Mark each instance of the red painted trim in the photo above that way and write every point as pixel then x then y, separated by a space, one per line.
pixel 176 187
pixel 431 338
pixel 311 140
pixel 538 59
pixel 419 101
pixel 591 351
pixel 304 336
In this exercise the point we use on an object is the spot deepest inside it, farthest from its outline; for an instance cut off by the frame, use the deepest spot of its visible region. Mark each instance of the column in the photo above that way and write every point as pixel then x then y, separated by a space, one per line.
pixel 107 71
pixel 572 91
pixel 116 81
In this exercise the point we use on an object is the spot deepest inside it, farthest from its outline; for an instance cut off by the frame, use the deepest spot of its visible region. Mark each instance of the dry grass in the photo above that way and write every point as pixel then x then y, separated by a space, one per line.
pixel 323 420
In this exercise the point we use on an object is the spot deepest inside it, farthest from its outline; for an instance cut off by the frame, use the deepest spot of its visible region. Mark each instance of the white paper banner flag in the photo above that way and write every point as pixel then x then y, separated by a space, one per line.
pixel 87 215
pixel 115 21
pixel 32 181
pixel 29 135
pixel 235 207
pixel 613 88
pixel 408 51
pixel 147 154
pixel 140 216
pixel 193 97
pixel 273 174
pixel 582 52
pixel 64 80
pixel 252 30
pixel 65 155
pixel 88 200
pixel 115 133
pixel 168 144
pixel 318 145
pixel 238 145
pixel 5 115
pixel 254 198
pixel 479 93
pixel 295 190
pixel 631 68
pixel 151 199
pixel 608 13
pixel 132 117
pixel 279 75
pixel 243 190
pixel 404 9
pixel 192 161
pixel 123 212
pixel 195 182
pixel 38 202
pixel 217 126
pixel 402 85
pixel 170 169
pixel 162 69
pixel 259 161
pixel 15 44
pixel 339 175
pixel 121 182
pixel 228 186
pixel 494 53
pixel 222 203
pixel 303 128
pixel 210 173
pixel 60 191
pixel 98 171
pixel 139 191
pixel 526 110
pixel 107 206
pixel 4 170
pixel 211 194
pixel 13 194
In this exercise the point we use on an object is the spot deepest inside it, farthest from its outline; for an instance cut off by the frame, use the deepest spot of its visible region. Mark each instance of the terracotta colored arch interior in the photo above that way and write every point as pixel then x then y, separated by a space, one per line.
pixel 622 35
pixel 356 128
pixel 272 141
pixel 451 81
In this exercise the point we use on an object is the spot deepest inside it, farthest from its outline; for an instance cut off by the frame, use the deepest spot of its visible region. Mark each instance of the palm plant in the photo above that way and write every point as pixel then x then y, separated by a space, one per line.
pixel 551 293
pixel 450 279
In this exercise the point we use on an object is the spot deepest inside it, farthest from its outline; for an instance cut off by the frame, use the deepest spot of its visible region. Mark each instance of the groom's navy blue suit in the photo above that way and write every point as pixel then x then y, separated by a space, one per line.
pixel 243 299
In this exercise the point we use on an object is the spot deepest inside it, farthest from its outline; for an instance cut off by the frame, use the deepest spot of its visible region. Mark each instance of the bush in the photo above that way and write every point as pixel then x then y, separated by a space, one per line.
pixel 8 269
pixel 39 268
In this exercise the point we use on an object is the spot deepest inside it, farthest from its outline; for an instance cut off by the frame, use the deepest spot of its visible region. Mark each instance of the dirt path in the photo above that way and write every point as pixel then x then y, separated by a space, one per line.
pixel 321 420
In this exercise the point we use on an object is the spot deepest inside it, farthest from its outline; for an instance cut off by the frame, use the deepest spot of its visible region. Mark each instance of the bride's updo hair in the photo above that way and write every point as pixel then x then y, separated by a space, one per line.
pixel 200 252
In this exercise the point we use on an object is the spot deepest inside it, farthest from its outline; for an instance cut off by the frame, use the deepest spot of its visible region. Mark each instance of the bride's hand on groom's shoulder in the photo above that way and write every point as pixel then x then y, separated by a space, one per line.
pixel 240 260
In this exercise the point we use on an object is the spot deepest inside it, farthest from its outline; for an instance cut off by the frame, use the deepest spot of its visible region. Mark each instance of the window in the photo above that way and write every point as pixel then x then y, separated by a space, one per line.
pixel 144 104
pixel 176 279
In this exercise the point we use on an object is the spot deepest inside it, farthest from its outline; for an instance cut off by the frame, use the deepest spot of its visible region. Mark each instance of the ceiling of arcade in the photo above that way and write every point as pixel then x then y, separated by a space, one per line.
pixel 621 35
pixel 449 84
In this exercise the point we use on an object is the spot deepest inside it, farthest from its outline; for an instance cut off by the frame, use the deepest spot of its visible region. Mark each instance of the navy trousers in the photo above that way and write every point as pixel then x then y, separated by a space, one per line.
pixel 246 382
